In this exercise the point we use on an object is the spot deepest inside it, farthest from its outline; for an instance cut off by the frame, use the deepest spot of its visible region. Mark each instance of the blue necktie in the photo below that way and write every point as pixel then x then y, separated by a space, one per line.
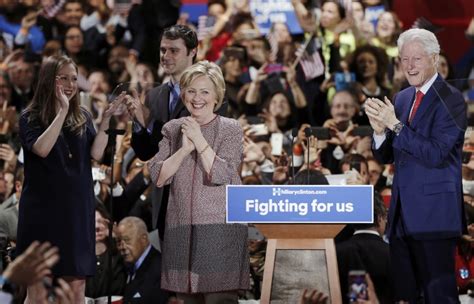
pixel 174 99
pixel 131 273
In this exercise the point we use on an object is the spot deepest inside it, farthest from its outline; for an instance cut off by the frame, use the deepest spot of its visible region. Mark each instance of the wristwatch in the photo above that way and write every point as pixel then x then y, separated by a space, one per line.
pixel 397 128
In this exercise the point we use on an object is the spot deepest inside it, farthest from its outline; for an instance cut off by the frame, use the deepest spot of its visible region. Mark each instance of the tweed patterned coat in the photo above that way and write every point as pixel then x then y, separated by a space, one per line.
pixel 202 253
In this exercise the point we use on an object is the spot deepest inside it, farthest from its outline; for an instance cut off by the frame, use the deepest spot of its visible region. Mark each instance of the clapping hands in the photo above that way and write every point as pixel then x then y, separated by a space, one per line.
pixel 381 114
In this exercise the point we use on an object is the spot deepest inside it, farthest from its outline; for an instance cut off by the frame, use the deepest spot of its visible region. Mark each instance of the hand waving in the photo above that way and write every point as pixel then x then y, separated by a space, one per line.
pixel 61 96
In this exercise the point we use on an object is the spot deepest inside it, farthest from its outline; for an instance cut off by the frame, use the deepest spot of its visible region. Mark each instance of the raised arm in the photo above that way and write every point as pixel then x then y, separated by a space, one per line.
pixel 100 140
pixel 48 138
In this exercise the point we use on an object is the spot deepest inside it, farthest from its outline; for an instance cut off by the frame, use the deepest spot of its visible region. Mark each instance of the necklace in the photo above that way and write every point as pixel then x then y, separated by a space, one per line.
pixel 67 145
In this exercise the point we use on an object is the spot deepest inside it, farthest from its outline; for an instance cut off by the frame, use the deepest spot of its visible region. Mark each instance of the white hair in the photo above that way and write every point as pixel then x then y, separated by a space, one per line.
pixel 134 222
pixel 426 38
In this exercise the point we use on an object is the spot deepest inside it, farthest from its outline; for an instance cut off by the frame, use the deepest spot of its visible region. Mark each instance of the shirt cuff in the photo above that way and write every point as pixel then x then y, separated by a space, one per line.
pixel 21 39
pixel 379 139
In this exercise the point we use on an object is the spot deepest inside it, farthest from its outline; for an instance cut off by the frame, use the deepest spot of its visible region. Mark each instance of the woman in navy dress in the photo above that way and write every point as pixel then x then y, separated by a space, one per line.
pixel 57 203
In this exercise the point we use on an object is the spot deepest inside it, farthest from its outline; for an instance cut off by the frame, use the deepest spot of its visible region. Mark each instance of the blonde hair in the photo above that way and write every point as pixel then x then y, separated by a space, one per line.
pixel 213 73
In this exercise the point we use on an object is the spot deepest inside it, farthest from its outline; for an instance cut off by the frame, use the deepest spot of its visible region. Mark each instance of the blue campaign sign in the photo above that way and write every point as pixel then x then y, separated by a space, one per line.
pixel 299 204
pixel 265 12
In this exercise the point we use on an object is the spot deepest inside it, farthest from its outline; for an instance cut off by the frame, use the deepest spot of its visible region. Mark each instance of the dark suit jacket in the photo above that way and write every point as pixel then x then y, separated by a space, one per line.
pixel 427 157
pixel 145 288
pixel 124 203
pixel 367 252
pixel 20 101
pixel 145 145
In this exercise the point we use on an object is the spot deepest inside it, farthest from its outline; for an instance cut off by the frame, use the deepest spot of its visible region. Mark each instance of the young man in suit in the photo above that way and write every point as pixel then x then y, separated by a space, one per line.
pixel 178 49
pixel 422 134
pixel 143 261
pixel 366 250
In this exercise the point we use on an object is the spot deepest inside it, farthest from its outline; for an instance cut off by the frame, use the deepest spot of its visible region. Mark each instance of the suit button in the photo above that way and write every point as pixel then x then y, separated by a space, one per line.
pixel 401 163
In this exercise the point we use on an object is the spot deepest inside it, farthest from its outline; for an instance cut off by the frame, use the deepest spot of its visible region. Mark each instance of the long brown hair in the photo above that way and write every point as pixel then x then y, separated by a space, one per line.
pixel 43 105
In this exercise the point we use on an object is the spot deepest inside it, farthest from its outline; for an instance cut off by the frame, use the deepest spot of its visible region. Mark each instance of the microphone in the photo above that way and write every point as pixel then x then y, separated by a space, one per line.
pixel 294 134
pixel 307 132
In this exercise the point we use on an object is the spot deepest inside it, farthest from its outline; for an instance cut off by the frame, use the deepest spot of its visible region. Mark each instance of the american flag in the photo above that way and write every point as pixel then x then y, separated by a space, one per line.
pixel 122 7
pixel 310 60
pixel 51 11
pixel 273 45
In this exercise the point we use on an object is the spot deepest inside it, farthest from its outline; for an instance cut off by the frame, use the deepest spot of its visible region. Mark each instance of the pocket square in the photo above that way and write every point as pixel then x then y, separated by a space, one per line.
pixel 137 295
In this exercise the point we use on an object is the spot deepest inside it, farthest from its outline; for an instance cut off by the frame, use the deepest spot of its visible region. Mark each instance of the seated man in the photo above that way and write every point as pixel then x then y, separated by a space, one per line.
pixel 144 262
pixel 366 250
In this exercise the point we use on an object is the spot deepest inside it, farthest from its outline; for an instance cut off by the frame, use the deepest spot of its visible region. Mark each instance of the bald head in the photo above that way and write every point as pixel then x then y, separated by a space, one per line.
pixel 132 238
pixel 136 223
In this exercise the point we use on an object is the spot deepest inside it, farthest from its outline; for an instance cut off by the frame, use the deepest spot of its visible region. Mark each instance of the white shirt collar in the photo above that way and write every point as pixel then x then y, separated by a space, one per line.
pixel 424 88
pixel 366 231
pixel 139 262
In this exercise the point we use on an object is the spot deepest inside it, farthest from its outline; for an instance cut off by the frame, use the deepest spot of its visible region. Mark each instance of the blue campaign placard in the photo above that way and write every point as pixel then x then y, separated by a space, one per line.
pixel 299 204
pixel 266 12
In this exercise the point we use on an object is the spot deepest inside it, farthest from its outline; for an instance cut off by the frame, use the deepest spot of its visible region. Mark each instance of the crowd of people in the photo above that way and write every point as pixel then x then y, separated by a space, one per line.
pixel 205 105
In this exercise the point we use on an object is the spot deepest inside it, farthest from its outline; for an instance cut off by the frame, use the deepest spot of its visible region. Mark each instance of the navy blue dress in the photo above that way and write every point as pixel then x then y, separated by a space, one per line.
pixel 57 202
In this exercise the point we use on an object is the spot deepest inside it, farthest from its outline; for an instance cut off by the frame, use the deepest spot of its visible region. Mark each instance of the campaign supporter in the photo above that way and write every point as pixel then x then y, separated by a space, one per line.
pixel 337 41
pixel 445 68
pixel 97 97
pixel 30 268
pixel 117 65
pixel 73 46
pixel 343 109
pixel 387 31
pixel 9 121
pixel 363 29
pixel 18 26
pixel 366 250
pixel 376 178
pixel 357 169
pixel 369 64
pixel 9 211
pixel 105 282
pixel 219 35
pixel 143 262
pixel 21 73
pixel 234 68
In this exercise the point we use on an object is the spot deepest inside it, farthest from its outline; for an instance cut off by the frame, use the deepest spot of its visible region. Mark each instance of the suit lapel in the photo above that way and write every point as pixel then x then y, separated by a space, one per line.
pixel 179 107
pixel 165 97
pixel 134 285
pixel 406 106
pixel 428 101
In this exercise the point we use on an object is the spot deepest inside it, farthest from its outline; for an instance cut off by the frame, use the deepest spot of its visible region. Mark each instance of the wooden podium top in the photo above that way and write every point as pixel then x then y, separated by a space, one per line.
pixel 299 231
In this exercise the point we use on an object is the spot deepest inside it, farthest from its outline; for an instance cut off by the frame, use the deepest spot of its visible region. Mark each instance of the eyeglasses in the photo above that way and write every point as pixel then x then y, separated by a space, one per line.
pixel 65 78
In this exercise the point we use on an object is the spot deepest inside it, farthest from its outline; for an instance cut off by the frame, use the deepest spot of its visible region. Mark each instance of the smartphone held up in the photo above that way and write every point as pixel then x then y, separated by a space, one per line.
pixel 358 286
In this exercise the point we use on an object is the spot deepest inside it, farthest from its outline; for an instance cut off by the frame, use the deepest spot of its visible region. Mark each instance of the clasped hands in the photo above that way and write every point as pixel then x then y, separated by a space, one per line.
pixel 381 114
pixel 192 136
